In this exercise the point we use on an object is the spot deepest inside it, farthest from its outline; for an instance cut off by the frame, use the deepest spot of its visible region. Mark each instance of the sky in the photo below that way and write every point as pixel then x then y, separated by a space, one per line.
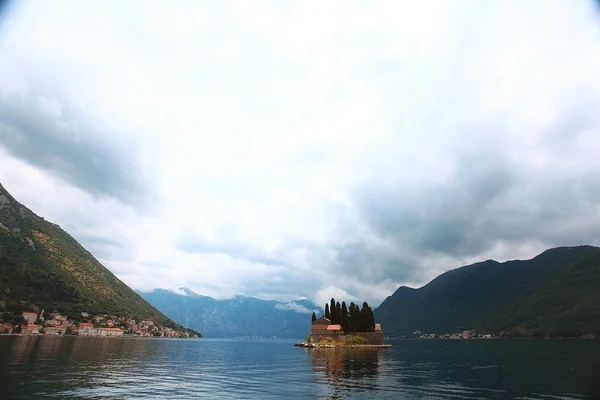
pixel 289 150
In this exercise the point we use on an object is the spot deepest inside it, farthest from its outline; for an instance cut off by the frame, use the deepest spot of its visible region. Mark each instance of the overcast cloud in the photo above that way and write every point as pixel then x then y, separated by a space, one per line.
pixel 314 149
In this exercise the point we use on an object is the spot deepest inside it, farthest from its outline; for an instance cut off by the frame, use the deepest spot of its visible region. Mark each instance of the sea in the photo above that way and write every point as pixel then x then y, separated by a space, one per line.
pixel 58 367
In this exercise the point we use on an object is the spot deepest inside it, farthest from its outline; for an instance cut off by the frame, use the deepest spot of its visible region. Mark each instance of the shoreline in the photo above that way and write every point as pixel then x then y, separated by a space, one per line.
pixel 342 346
pixel 94 336
pixel 502 338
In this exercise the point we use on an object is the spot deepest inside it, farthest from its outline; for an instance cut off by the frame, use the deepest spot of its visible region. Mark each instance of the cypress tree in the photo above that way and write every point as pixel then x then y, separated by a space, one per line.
pixel 354 318
pixel 367 319
pixel 363 318
pixel 332 311
pixel 314 317
pixel 338 313
pixel 345 319
pixel 327 311
pixel 350 323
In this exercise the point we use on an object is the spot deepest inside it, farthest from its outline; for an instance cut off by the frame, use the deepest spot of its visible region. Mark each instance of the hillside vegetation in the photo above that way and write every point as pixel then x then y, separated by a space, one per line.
pixel 42 266
pixel 554 294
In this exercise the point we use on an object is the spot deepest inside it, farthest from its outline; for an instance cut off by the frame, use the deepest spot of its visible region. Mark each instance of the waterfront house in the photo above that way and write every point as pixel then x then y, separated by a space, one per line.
pixel 30 317
pixel 110 332
pixel 51 330
pixel 31 329
pixel 86 329
pixel 55 330
pixel 6 328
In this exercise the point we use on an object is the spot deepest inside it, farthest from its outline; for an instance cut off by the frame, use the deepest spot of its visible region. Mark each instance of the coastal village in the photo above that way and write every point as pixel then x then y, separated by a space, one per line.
pixel 459 335
pixel 102 325
pixel 471 334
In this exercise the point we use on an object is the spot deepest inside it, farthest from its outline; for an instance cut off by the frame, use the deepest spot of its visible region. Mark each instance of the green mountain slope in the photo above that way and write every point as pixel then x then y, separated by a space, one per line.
pixel 555 293
pixel 43 266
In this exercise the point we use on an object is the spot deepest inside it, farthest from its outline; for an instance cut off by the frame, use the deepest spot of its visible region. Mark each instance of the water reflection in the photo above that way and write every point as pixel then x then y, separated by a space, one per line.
pixel 341 371
pixel 60 364
pixel 33 367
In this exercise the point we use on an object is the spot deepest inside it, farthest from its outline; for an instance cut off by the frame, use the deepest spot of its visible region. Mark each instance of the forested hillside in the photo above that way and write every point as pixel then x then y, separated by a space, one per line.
pixel 42 266
pixel 556 293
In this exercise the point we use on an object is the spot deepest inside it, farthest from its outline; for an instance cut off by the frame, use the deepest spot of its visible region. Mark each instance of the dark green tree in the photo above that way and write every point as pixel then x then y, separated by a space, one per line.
pixel 367 319
pixel 327 315
pixel 345 320
pixel 314 317
pixel 332 311
pixel 338 313
pixel 371 325
pixel 354 318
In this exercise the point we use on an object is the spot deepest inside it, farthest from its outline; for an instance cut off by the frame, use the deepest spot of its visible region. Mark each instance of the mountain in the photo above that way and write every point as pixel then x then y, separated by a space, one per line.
pixel 235 317
pixel 42 266
pixel 556 294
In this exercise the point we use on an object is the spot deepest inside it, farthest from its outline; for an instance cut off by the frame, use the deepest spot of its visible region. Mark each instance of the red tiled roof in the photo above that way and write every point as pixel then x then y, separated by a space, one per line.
pixel 86 325
pixel 30 313
pixel 334 327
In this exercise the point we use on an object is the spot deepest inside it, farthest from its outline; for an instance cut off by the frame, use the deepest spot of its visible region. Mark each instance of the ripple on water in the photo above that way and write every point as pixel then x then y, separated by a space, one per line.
pixel 211 369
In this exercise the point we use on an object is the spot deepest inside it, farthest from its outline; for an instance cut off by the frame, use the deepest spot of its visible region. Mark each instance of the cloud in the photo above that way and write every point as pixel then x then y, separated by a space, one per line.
pixel 516 169
pixel 304 150
pixel 54 136
pixel 292 306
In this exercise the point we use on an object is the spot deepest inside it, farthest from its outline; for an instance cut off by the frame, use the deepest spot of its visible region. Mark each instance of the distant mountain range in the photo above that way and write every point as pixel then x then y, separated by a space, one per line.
pixel 556 293
pixel 42 266
pixel 235 317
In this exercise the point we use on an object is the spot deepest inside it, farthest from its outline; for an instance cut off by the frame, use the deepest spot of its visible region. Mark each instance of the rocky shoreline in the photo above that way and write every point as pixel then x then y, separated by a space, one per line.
pixel 343 346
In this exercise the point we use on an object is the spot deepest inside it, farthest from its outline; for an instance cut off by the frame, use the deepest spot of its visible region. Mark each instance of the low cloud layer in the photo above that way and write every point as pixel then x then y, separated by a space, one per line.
pixel 292 306
pixel 229 149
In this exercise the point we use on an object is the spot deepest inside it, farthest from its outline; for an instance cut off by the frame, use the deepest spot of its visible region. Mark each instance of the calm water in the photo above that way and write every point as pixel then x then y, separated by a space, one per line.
pixel 110 368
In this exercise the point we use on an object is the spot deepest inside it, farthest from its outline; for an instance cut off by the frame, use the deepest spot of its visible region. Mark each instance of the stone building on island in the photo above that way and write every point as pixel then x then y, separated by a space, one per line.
pixel 322 328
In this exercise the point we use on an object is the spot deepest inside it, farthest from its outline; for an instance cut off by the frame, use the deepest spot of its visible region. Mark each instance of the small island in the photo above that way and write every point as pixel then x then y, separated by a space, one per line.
pixel 345 327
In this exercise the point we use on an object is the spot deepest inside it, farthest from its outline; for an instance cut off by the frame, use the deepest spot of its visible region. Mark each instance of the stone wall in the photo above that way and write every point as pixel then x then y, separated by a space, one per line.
pixel 373 337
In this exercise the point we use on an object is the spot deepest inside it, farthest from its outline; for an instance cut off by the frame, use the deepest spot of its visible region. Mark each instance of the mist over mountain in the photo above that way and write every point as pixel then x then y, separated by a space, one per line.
pixel 236 317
